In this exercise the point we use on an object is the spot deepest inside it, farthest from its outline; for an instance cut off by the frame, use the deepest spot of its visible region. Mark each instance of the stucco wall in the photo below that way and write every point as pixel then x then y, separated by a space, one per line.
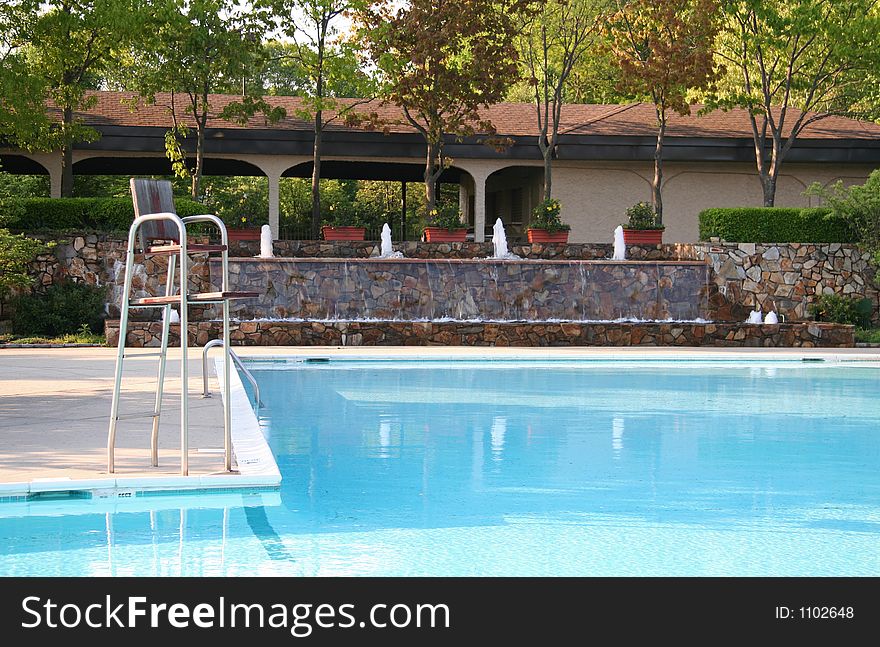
pixel 595 196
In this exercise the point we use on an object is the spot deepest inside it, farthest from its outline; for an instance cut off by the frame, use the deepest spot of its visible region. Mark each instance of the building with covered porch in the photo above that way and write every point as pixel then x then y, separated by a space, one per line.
pixel 603 163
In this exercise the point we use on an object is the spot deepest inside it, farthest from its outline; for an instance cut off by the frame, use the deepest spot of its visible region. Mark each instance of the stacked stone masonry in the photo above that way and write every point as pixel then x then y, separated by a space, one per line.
pixel 408 333
pixel 467 289
pixel 784 277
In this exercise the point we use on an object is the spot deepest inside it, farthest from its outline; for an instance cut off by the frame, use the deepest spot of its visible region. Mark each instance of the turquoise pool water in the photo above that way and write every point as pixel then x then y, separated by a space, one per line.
pixel 503 468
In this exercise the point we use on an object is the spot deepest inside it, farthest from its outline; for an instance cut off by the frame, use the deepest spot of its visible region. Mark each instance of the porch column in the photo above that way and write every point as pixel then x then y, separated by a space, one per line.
pixel 54 179
pixel 274 180
pixel 463 195
pixel 479 208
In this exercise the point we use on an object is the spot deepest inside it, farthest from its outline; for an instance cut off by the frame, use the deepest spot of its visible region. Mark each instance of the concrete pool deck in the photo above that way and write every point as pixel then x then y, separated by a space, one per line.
pixel 55 403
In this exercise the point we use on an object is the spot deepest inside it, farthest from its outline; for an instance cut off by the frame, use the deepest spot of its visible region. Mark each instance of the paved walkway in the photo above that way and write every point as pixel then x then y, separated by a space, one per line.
pixel 55 403
pixel 55 408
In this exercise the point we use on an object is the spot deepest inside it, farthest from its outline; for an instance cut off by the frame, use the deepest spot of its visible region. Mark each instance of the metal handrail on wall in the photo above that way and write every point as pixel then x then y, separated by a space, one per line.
pixel 258 402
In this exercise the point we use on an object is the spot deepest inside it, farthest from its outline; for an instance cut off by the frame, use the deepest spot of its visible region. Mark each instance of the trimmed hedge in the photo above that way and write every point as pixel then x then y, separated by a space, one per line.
pixel 775 225
pixel 89 214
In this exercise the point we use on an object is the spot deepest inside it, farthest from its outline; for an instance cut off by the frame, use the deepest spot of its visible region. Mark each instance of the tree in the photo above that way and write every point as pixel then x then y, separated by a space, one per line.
pixel 326 62
pixel 198 48
pixel 664 49
pixel 442 61
pixel 23 119
pixel 73 43
pixel 551 43
pixel 793 63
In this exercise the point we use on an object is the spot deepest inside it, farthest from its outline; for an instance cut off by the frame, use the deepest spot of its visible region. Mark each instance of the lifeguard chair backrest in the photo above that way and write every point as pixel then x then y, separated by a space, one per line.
pixel 153 196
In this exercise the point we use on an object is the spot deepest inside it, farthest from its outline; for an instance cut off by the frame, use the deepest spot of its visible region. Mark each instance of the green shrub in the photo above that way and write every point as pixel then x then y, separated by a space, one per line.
pixel 642 216
pixel 868 335
pixel 546 216
pixel 63 309
pixel 859 206
pixel 16 255
pixel 836 308
pixel 775 225
pixel 445 215
pixel 79 214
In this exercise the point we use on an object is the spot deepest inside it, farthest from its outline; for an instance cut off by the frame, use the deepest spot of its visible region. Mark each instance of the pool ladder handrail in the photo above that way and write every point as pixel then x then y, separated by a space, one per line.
pixel 206 393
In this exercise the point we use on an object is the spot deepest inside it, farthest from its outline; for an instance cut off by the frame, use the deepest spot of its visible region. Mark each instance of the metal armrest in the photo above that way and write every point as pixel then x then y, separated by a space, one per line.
pixel 207 217
pixel 165 215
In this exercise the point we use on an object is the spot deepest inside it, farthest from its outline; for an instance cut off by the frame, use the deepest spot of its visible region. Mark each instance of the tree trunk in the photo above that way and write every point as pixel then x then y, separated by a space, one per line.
pixel 657 182
pixel 430 180
pixel 316 174
pixel 67 156
pixel 768 179
pixel 548 179
pixel 200 162
pixel 768 184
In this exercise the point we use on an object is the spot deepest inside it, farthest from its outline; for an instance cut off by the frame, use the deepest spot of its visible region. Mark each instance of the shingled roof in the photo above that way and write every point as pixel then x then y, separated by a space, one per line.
pixel 511 119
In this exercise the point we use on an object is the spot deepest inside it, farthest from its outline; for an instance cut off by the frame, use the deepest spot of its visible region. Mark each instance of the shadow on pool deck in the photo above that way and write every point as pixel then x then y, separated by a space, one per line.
pixel 55 408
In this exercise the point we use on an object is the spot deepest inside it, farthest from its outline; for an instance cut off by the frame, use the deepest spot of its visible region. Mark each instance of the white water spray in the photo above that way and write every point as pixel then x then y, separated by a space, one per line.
pixel 266 242
pixel 619 245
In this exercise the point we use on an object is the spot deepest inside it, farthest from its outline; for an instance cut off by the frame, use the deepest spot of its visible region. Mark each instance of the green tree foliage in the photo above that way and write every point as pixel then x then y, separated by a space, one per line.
pixel 324 59
pixel 23 119
pixel 792 63
pixel 441 62
pixel 73 44
pixel 23 186
pixel 283 75
pixel 551 43
pixel 664 49
pixel 197 48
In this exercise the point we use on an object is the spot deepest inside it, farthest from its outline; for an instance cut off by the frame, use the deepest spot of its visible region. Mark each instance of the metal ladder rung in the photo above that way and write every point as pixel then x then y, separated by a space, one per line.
pixel 133 355
pixel 129 416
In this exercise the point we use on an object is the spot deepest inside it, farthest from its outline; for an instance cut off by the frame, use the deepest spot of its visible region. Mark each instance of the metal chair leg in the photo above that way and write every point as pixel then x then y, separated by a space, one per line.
pixel 166 325
pixel 123 333
pixel 184 373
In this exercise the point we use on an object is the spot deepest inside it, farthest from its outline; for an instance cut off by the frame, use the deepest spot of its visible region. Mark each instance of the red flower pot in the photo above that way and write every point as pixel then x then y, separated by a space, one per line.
pixel 443 235
pixel 643 236
pixel 544 236
pixel 243 234
pixel 343 233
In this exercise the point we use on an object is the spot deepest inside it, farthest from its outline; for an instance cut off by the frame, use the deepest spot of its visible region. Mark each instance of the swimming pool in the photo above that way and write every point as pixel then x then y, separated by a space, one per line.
pixel 513 468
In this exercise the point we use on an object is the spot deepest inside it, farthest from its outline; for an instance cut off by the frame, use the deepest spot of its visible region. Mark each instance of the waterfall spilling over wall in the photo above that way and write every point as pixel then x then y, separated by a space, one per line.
pixel 469 289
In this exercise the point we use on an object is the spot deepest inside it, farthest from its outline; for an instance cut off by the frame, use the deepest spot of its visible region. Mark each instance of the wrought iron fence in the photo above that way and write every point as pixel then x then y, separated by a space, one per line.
pixel 303 231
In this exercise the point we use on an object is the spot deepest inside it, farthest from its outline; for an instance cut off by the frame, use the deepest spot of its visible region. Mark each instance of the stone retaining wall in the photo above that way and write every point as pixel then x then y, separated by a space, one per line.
pixel 785 277
pixel 395 333
pixel 464 289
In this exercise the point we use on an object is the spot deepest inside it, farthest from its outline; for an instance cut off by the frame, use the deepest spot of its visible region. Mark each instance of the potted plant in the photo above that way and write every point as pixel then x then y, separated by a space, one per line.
pixel 344 224
pixel 444 225
pixel 642 227
pixel 240 229
pixel 546 226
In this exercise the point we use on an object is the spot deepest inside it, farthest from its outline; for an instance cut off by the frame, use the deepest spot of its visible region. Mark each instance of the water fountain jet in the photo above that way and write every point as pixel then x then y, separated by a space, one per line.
pixel 499 242
pixel 386 249
pixel 266 242
pixel 619 245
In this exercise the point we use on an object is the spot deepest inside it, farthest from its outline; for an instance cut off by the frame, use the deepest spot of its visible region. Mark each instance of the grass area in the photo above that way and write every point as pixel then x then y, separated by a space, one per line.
pixel 81 337
pixel 868 335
